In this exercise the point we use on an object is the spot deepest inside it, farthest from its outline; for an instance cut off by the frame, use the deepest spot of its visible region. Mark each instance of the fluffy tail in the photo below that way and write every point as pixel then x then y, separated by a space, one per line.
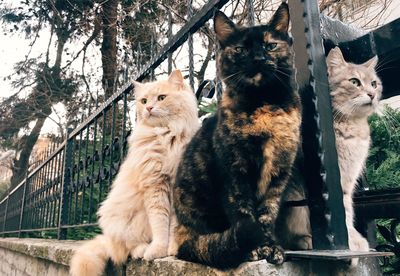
pixel 91 258
pixel 222 250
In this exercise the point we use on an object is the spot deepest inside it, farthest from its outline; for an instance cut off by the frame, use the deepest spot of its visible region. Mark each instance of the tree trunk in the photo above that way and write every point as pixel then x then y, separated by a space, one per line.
pixel 21 164
pixel 109 46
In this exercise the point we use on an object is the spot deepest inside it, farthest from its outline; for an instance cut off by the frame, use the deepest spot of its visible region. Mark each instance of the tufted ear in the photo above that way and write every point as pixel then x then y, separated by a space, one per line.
pixel 335 58
pixel 371 63
pixel 223 26
pixel 280 19
pixel 176 78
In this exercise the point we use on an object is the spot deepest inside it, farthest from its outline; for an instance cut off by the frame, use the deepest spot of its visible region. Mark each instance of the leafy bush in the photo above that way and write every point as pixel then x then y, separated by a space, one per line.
pixel 383 171
pixel 383 164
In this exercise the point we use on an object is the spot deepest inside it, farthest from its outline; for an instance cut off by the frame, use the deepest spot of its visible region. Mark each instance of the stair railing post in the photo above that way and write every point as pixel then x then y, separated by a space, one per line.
pixel 66 180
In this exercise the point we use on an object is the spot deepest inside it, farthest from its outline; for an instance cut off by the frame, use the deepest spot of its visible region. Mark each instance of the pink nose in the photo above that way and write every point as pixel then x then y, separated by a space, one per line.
pixel 149 108
pixel 372 95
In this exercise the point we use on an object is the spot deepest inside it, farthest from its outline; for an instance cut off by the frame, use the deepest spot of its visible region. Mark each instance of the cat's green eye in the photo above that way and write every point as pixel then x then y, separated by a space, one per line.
pixel 373 84
pixel 271 46
pixel 161 97
pixel 355 82
pixel 240 50
pixel 143 101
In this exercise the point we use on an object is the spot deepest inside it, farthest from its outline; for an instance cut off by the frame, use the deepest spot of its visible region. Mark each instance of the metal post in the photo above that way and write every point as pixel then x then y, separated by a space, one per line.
pixel 190 44
pixel 152 48
pixel 68 150
pixel 5 214
pixel 169 34
pixel 21 216
pixel 322 174
pixel 250 12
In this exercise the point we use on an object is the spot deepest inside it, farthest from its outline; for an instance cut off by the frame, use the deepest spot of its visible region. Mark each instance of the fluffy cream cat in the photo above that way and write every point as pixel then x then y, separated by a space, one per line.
pixel 137 216
pixel 355 92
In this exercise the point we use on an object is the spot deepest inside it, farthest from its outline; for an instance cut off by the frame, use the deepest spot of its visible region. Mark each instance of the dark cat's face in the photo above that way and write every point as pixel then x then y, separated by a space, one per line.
pixel 253 56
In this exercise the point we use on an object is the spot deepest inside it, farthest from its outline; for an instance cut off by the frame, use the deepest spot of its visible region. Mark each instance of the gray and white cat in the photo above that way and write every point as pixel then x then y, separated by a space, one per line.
pixel 355 92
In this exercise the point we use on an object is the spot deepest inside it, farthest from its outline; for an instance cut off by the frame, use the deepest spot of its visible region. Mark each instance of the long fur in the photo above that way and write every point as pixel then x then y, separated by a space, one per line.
pixel 352 104
pixel 137 217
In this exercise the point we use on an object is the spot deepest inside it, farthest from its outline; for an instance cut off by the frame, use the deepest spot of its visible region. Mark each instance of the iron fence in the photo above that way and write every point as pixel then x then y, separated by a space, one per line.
pixel 64 191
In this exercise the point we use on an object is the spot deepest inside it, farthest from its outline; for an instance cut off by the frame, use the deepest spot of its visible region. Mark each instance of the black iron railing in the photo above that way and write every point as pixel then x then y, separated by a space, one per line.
pixel 64 191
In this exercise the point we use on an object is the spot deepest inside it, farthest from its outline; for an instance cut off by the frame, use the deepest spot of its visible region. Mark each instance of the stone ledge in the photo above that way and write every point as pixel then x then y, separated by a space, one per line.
pixel 60 252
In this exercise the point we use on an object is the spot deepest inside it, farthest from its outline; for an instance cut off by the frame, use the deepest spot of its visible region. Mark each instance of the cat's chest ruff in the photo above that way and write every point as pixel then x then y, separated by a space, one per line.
pixel 283 128
pixel 280 130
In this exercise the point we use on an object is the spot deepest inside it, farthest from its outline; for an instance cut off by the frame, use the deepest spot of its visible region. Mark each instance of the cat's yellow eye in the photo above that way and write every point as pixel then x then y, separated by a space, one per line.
pixel 143 101
pixel 271 46
pixel 373 84
pixel 161 97
pixel 355 82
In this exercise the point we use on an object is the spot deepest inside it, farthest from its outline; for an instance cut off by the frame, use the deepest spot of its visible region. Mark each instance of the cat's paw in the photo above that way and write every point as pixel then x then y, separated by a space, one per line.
pixel 272 253
pixel 303 243
pixel 172 248
pixel 357 242
pixel 277 255
pixel 155 251
pixel 139 250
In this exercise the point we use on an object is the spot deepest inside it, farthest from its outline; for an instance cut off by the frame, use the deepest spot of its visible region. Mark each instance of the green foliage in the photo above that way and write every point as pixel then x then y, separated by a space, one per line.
pixel 207 106
pixel 383 164
pixel 383 171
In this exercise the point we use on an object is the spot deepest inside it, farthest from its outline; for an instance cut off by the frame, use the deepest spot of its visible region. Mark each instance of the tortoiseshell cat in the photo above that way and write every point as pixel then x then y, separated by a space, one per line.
pixel 232 174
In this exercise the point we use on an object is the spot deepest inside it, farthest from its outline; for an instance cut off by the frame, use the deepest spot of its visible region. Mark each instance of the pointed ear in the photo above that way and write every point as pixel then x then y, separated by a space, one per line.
pixel 280 20
pixel 335 58
pixel 176 78
pixel 223 26
pixel 371 63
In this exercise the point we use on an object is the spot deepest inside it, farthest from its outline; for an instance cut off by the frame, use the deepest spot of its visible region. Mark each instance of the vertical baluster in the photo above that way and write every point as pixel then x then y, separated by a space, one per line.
pixel 169 34
pixel 152 53
pixel 85 174
pixel 66 179
pixel 250 12
pixel 21 216
pixel 114 110
pixel 218 82
pixel 77 190
pixel 139 57
pixel 92 170
pixel 46 194
pixel 36 211
pixel 5 213
pixel 190 44
pixel 320 158
pixel 60 185
pixel 102 154
pixel 124 119
pixel 50 190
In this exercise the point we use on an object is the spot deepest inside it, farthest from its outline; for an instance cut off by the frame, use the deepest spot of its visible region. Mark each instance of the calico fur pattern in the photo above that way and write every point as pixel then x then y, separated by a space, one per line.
pixel 234 170
pixel 137 217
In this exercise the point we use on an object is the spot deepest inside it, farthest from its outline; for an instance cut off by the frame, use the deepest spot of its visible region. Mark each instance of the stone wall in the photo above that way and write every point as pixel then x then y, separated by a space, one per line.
pixel 51 257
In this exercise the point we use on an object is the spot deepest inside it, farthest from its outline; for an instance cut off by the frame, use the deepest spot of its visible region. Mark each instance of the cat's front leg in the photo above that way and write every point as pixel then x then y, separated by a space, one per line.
pixel 158 211
pixel 356 241
pixel 172 243
pixel 267 213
